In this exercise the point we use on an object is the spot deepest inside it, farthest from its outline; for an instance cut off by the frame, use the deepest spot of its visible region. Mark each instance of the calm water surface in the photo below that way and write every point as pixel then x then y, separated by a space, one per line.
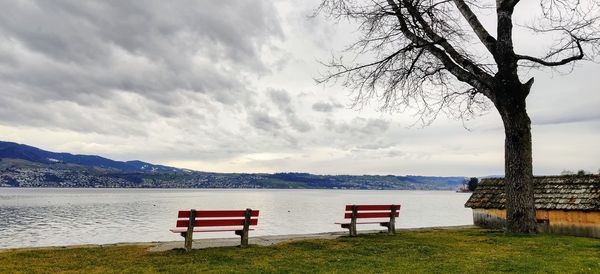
pixel 50 217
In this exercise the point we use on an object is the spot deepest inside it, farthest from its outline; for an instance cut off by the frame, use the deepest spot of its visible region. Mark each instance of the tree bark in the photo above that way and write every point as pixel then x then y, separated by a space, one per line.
pixel 518 161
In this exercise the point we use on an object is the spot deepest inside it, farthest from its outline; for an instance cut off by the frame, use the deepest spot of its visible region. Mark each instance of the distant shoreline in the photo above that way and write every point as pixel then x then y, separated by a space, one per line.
pixel 180 188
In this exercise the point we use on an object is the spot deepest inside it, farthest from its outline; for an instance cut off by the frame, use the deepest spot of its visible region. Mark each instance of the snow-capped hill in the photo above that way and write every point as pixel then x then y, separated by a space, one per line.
pixel 10 150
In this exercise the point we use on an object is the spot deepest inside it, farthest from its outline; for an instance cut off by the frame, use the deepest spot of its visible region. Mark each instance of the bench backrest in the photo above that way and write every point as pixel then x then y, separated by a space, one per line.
pixel 372 211
pixel 220 218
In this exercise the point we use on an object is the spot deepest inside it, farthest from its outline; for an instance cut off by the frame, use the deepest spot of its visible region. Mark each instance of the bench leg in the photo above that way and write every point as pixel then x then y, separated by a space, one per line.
pixel 347 226
pixel 243 237
pixel 190 230
pixel 244 232
pixel 188 240
pixel 351 229
pixel 392 224
pixel 391 227
pixel 353 221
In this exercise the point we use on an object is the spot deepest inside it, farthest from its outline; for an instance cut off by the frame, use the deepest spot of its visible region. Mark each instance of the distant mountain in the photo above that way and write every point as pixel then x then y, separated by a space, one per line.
pixel 9 150
pixel 27 166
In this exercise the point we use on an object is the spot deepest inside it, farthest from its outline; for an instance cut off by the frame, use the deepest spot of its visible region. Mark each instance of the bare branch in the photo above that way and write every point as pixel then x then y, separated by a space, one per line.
pixel 417 54
pixel 450 65
pixel 564 61
pixel 476 72
pixel 575 27
pixel 484 36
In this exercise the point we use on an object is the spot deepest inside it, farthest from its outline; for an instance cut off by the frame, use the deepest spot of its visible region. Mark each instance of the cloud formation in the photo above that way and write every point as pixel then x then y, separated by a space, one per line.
pixel 325 106
pixel 92 55
pixel 228 86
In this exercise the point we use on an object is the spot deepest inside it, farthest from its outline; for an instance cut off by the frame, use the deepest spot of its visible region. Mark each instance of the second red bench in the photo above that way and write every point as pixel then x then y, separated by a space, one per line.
pixel 381 212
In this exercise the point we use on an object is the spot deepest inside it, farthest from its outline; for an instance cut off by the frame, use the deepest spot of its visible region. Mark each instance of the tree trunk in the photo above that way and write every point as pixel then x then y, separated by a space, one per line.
pixel 518 165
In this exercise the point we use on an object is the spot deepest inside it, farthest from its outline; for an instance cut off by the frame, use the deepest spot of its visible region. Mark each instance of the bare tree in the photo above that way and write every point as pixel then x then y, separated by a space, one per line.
pixel 436 56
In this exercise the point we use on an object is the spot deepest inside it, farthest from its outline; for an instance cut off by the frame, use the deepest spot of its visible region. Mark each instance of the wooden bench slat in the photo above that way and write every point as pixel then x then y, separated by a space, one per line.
pixel 216 213
pixel 360 223
pixel 183 230
pixel 216 222
pixel 372 207
pixel 371 215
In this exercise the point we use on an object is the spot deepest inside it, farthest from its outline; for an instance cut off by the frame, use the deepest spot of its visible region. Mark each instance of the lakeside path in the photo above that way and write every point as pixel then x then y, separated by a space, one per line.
pixel 430 250
pixel 200 243
pixel 276 239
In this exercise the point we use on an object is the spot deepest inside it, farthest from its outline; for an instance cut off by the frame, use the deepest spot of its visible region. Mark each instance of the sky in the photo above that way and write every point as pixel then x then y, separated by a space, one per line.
pixel 228 86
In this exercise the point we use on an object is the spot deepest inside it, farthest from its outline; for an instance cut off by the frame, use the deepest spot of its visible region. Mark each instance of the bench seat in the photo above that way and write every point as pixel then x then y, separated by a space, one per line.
pixel 184 230
pixel 361 223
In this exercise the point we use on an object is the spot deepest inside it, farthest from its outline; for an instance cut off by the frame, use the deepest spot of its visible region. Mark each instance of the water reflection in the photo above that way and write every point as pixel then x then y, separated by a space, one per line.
pixel 47 217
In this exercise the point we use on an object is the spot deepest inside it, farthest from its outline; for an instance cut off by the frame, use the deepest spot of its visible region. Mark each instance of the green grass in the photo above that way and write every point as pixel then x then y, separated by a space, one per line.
pixel 442 251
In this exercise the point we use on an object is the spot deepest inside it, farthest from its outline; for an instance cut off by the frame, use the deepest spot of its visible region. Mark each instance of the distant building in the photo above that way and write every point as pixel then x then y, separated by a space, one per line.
pixel 564 204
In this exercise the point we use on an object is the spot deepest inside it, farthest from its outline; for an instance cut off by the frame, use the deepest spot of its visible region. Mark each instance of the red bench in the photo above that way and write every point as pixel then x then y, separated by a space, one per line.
pixel 355 212
pixel 190 221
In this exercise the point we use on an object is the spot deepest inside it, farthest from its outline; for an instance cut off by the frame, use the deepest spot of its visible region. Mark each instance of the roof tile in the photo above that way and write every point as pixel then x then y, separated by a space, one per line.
pixel 551 192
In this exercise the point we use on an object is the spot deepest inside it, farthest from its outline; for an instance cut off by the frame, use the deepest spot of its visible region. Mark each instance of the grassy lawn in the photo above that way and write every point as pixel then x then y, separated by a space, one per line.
pixel 444 251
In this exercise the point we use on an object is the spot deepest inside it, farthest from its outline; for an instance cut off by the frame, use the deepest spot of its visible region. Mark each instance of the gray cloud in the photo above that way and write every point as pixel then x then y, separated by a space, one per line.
pixel 589 117
pixel 325 107
pixel 376 145
pixel 298 124
pixel 85 32
pixel 283 100
pixel 370 126
pixel 263 121
pixel 90 52
pixel 280 97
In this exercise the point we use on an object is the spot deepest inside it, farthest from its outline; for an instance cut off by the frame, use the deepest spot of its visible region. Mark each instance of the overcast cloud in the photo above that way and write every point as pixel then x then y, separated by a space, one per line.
pixel 228 86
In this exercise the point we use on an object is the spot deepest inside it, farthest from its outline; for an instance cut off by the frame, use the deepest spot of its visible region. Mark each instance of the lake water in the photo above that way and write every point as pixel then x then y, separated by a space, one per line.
pixel 51 217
